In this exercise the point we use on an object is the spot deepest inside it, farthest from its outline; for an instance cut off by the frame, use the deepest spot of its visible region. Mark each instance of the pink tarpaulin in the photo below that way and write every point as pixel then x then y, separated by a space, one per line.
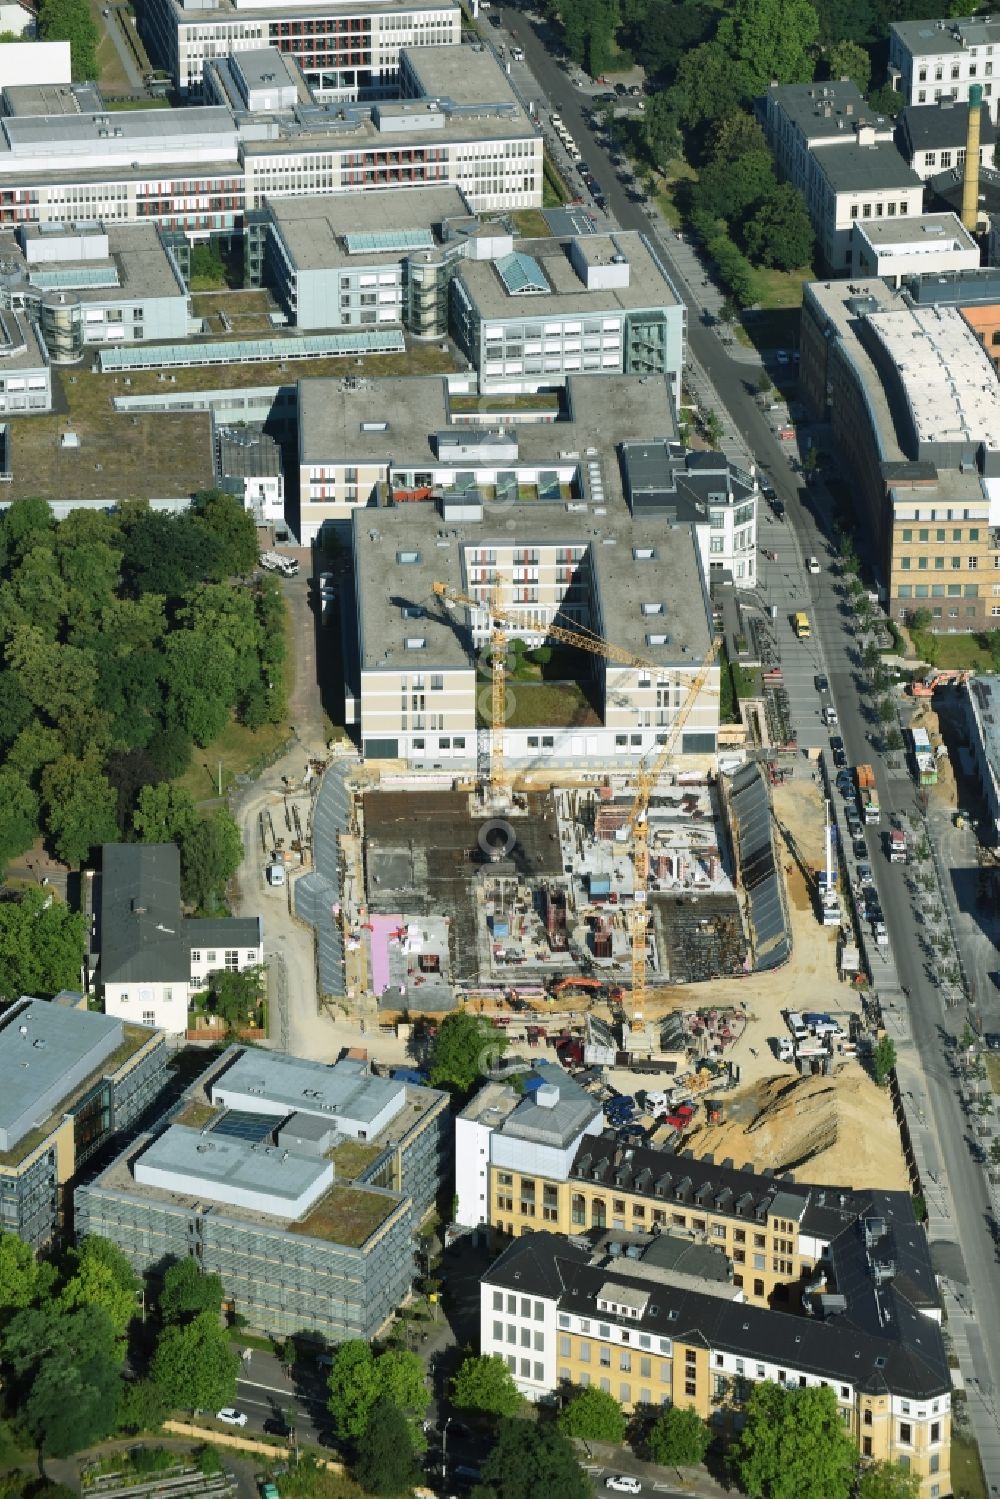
pixel 382 928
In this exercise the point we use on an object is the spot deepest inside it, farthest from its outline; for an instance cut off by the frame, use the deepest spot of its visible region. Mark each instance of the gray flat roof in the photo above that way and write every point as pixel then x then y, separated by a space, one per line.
pixel 672 575
pixel 930 231
pixel 228 10
pixel 32 135
pixel 931 126
pixel 648 287
pixel 280 1174
pixel 856 168
pixel 826 111
pixel 983 693
pixel 343 424
pixel 312 229
pixel 136 259
pixel 42 1045
pixel 307 1087
pixel 34 355
pixel 459 73
pixel 262 65
pixel 940 36
pixel 51 98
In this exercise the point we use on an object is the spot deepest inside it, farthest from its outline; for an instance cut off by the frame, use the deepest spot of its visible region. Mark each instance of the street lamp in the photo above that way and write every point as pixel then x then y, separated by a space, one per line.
pixel 444 1449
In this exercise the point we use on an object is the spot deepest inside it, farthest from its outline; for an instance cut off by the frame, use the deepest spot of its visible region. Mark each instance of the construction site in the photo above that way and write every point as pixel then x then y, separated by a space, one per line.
pixel 548 890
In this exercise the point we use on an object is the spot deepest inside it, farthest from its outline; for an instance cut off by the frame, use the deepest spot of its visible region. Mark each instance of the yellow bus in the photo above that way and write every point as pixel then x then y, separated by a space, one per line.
pixel 801 624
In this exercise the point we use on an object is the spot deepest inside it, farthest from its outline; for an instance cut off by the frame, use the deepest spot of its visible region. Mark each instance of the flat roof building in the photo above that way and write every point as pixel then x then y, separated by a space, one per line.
pixel 549 308
pixel 316 1178
pixel 913 398
pixel 839 153
pixel 982 716
pixel 940 59
pixel 897 249
pixel 71 1078
pixel 346 51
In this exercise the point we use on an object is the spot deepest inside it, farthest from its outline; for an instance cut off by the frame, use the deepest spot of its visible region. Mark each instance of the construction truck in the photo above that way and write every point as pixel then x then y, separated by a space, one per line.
pixel 867 794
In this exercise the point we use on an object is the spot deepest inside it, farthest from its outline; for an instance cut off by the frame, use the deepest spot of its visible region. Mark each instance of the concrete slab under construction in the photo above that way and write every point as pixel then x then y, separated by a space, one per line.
pixel 428 853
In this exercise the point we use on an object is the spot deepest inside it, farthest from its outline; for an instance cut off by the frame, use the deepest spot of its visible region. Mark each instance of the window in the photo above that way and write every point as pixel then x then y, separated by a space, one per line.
pixel 605 1359
pixel 866 1446
pixel 935 1431
pixel 232 960
pixel 149 1017
pixel 905 1433
pixel 195 955
pixel 498 1301
pixel 625 1362
pixel 565 1347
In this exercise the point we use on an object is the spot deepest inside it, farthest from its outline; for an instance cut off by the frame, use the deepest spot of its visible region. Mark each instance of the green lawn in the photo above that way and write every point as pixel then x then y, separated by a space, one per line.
pixel 952 652
pixel 121 105
pixel 559 704
pixel 967 1481
pixel 782 290
pixel 554 190
pixel 238 749
pixel 351 1158
pixel 993 1072
pixel 530 222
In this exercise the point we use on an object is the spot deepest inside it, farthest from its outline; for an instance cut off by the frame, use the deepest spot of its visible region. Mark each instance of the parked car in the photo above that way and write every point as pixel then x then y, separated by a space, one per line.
pixel 838 752
pixel 812 564
pixel 822 682
pixel 830 718
pixel 623 1483
pixel 231 1416
pixel 859 846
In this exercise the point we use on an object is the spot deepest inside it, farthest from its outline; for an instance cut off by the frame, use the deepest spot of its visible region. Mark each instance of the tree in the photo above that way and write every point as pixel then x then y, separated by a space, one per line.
pixel 713 427
pixel 846 59
pixel 71 1406
pixel 352 1388
pixel 769 40
pixel 164 813
pixel 920 619
pixel 886 100
pixel 463 1050
pixel 207 267
pixel 486 1384
pixel 894 740
pixel 194 1365
pixel 707 85
pixel 210 855
pixel 41 944
pixel 384 1463
pixel 402 1381
pixel 80 807
pixel 66 1381
pixel 142 1407
pixel 232 526
pixel 201 673
pixel 234 997
pixel 19 1275
pixel 883 1059
pixel 886 710
pixel 71 21
pixel 18 815
pixel 779 234
pixel 886 1480
pixel 101 1276
pixel 187 1292
pixel 659 126
pixel 593 1414
pixel 995 1153
pixel 679 1438
pixel 532 1459
pixel 871 656
pixel 793 1445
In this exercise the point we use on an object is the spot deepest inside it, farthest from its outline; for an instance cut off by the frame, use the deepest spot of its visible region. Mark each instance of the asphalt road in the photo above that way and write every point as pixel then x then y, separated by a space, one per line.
pixel 833 650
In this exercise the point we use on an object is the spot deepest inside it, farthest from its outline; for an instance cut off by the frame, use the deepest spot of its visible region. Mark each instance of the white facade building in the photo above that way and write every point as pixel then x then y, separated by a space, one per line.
pixel 942 59
pixel 895 249
pixel 842 158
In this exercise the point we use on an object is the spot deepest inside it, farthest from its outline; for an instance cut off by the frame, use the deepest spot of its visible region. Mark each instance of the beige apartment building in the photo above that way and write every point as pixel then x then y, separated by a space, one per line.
pixel 653 1323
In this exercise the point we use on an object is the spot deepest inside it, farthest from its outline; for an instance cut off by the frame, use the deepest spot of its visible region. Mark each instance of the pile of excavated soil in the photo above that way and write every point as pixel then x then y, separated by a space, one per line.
pixel 834 1131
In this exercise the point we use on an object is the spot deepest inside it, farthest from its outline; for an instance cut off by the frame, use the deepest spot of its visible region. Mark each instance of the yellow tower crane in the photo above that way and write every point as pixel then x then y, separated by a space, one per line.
pixel 647 775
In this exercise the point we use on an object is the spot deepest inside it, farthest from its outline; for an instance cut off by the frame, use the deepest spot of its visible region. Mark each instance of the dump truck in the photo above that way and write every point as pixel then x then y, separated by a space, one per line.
pixel 924 762
pixel 867 793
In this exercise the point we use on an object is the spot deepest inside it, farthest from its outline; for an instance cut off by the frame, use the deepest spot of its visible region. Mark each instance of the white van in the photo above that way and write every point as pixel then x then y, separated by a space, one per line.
pixel 797 1025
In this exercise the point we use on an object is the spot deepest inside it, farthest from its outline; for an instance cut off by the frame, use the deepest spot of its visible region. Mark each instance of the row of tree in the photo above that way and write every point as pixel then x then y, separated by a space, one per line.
pixel 64 1343
pixel 125 641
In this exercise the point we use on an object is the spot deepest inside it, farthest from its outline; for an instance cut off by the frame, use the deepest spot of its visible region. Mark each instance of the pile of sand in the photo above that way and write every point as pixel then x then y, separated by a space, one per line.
pixel 834 1131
